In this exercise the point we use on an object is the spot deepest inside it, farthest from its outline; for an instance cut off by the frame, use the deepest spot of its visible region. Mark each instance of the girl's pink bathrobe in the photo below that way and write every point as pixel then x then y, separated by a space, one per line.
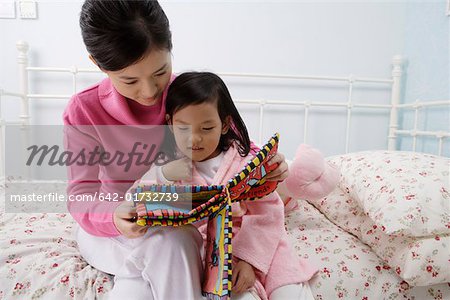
pixel 259 235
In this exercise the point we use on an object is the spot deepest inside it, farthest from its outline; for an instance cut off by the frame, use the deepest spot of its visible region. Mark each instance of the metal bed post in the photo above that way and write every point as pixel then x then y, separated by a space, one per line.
pixel 351 80
pixel 305 123
pixel 262 105
pixel 22 60
pixel 397 72
pixel 24 116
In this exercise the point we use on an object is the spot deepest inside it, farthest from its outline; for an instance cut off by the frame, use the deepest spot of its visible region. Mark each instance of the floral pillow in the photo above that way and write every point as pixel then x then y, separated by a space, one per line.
pixel 420 261
pixel 402 192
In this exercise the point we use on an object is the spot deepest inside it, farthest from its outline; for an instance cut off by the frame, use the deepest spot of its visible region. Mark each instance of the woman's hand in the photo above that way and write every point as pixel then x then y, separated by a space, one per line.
pixel 243 277
pixel 180 169
pixel 125 224
pixel 282 171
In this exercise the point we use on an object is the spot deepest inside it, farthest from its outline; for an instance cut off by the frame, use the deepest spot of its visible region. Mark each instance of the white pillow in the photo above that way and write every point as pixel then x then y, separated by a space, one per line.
pixel 402 192
pixel 420 261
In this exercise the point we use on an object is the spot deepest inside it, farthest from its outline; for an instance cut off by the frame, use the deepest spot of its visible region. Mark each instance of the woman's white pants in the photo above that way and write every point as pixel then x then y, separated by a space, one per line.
pixel 163 264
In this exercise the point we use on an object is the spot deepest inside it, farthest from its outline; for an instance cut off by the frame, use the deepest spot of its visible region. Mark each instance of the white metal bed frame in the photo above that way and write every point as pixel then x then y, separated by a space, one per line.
pixel 394 107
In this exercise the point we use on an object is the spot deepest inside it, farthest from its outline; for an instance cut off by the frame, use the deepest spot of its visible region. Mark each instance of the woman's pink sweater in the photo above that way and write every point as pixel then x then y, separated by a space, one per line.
pixel 84 117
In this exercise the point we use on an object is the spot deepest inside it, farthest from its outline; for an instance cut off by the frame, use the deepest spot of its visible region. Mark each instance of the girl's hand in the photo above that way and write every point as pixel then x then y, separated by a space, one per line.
pixel 243 277
pixel 282 171
pixel 180 169
pixel 125 224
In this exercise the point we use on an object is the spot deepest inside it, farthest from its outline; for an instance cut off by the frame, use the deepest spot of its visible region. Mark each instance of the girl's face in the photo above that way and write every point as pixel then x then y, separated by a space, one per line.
pixel 146 80
pixel 197 130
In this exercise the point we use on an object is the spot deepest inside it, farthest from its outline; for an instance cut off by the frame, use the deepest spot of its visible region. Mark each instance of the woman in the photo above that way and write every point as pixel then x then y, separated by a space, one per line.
pixel 131 42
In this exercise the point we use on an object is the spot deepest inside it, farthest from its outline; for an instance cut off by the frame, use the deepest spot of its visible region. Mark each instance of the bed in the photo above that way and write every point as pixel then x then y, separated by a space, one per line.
pixel 382 233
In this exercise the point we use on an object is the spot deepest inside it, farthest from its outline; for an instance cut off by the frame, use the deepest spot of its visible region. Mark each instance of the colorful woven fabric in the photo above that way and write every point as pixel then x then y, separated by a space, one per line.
pixel 194 203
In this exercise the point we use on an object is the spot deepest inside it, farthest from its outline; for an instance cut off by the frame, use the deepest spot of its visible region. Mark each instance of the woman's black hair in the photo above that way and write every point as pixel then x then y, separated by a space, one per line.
pixel 118 33
pixel 193 88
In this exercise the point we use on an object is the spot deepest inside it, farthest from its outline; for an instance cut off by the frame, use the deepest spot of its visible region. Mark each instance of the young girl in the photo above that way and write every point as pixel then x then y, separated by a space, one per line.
pixel 214 144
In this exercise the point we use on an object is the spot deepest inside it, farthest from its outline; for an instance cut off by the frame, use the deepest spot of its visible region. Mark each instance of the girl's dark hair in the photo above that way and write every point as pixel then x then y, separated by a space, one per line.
pixel 193 88
pixel 118 33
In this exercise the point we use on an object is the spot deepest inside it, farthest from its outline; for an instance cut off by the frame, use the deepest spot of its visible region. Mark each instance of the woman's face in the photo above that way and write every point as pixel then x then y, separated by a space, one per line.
pixel 146 80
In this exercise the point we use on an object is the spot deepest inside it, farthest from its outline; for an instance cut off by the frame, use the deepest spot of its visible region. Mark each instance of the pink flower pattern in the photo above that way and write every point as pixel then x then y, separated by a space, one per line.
pixel 39 259
pixel 405 192
pixel 348 268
